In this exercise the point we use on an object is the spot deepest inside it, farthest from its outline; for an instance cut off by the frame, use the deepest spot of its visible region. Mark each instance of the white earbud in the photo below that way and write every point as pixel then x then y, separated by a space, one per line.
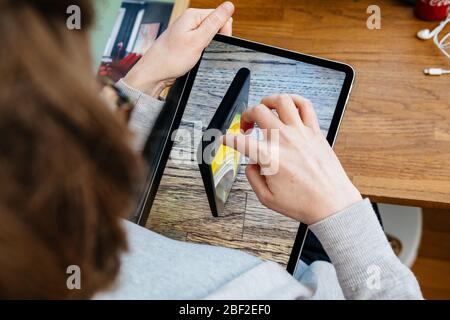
pixel 443 44
pixel 426 34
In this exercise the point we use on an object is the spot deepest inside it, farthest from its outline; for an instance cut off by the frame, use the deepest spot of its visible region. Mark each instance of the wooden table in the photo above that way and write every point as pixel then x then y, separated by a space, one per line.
pixel 395 138
pixel 394 141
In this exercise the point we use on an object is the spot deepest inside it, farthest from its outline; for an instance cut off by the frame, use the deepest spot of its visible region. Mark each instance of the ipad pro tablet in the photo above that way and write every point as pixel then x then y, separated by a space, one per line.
pixel 192 107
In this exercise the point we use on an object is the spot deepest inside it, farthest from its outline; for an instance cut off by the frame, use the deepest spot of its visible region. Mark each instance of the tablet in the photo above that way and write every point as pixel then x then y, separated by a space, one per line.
pixel 219 164
pixel 190 111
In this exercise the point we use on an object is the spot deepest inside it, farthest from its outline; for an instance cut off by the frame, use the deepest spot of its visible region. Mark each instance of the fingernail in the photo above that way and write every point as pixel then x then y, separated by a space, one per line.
pixel 228 6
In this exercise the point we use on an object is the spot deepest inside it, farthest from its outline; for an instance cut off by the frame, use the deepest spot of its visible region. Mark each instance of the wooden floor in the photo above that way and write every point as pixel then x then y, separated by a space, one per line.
pixel 432 268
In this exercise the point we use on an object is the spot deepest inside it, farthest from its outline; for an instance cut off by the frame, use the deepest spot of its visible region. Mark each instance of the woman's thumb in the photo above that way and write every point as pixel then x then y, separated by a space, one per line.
pixel 215 21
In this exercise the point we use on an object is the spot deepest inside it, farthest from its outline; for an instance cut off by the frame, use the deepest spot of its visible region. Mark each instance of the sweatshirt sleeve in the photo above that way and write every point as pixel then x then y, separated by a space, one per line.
pixel 366 266
pixel 143 116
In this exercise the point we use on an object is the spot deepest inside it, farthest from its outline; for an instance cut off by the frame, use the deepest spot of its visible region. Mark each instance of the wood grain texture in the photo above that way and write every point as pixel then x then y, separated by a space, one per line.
pixel 394 139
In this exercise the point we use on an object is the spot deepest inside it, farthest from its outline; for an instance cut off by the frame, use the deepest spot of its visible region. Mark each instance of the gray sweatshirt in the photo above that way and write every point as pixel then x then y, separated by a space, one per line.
pixel 363 263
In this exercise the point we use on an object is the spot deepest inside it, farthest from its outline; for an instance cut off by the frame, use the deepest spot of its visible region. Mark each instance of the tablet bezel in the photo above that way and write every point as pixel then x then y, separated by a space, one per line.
pixel 188 81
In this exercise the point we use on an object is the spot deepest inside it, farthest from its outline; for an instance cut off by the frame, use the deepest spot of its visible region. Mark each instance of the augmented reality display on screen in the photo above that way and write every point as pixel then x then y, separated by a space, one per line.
pixel 182 207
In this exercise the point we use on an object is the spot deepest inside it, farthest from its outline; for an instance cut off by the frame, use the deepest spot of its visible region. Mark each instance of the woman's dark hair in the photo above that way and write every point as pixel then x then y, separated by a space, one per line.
pixel 67 173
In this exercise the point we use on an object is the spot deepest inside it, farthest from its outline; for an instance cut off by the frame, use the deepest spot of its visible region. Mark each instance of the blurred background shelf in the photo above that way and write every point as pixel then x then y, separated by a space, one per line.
pixel 107 11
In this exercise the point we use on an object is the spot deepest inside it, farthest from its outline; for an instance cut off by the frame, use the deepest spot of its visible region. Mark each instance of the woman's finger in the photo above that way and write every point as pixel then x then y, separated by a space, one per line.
pixel 227 29
pixel 244 144
pixel 262 116
pixel 285 107
pixel 215 21
pixel 307 112
pixel 192 18
pixel 258 183
pixel 246 127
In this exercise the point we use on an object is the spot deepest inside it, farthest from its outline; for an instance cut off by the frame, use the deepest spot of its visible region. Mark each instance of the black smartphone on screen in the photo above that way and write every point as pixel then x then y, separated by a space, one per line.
pixel 219 164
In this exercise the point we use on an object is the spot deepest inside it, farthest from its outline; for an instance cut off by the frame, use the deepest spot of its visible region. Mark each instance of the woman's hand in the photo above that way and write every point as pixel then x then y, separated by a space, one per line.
pixel 179 48
pixel 307 182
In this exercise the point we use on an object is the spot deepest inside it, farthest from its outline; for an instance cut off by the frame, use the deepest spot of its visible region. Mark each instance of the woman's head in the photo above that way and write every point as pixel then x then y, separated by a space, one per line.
pixel 66 171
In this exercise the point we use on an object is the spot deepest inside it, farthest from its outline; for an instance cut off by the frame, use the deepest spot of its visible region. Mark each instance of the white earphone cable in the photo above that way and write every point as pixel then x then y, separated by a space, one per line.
pixel 441 44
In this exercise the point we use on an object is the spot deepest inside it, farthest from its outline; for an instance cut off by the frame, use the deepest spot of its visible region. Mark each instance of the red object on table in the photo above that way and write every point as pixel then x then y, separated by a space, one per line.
pixel 432 10
pixel 118 69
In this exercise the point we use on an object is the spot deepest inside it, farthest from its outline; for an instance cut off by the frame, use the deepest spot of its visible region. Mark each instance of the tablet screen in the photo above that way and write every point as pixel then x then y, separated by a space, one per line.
pixel 270 74
pixel 180 208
